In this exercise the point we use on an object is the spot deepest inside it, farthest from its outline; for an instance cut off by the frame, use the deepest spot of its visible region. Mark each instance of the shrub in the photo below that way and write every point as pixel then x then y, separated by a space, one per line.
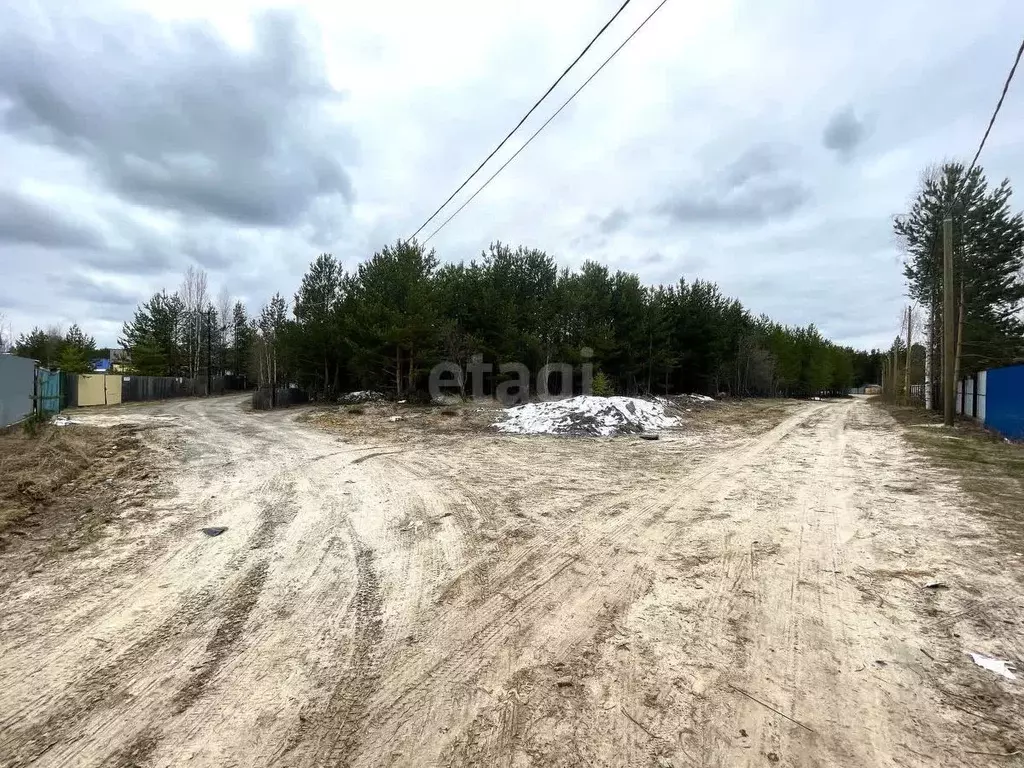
pixel 34 423
pixel 602 386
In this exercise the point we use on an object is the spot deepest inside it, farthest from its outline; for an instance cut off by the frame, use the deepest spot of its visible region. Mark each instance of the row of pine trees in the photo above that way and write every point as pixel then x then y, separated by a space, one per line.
pixel 384 326
pixel 72 351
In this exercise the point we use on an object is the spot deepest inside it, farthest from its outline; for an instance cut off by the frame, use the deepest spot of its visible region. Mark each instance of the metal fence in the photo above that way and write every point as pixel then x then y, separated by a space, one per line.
pixel 17 389
pixel 48 391
pixel 139 388
pixel 996 399
pixel 265 398
pixel 26 388
pixel 869 389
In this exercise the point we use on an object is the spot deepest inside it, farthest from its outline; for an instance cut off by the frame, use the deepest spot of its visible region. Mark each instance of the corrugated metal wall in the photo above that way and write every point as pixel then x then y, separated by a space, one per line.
pixel 982 395
pixel 1004 401
pixel 48 390
pixel 17 388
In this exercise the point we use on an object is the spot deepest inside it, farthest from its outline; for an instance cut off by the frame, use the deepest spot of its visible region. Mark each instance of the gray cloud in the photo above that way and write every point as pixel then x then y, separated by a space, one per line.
pixel 758 161
pixel 210 255
pixel 754 188
pixel 144 259
pixel 614 221
pixel 172 117
pixel 86 288
pixel 748 208
pixel 24 221
pixel 844 132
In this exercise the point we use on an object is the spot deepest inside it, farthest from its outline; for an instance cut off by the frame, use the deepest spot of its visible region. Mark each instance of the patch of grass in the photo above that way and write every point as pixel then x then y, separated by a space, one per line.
pixel 987 466
pixel 754 414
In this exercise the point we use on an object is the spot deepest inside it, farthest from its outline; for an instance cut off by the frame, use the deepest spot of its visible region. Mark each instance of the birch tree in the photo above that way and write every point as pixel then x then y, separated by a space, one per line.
pixel 194 298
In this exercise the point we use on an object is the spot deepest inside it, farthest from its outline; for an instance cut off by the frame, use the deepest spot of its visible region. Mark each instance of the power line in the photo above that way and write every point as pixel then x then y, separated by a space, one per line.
pixel 545 125
pixel 981 145
pixel 991 122
pixel 523 120
pixel 999 104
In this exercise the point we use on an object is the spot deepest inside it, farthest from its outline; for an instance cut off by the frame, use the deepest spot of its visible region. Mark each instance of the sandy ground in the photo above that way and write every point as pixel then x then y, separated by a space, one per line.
pixel 746 593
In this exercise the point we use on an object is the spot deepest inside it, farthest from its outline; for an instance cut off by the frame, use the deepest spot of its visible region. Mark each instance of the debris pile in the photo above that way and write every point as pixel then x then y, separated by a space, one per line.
pixel 685 400
pixel 586 415
pixel 362 396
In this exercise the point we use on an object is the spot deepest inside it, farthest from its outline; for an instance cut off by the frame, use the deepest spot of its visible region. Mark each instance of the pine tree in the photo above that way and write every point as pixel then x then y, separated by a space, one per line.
pixel 316 313
pixel 147 358
pixel 241 337
pixel 157 322
pixel 988 263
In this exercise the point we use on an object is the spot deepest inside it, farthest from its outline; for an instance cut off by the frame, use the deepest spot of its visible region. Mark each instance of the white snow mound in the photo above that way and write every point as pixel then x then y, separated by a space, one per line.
pixel 586 415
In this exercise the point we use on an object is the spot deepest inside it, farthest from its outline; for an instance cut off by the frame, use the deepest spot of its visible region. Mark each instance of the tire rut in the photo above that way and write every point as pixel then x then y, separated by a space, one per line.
pixel 239 607
pixel 337 730
pixel 473 648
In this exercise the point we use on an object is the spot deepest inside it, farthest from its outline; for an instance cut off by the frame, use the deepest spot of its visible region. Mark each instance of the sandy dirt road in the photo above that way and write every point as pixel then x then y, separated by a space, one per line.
pixel 722 597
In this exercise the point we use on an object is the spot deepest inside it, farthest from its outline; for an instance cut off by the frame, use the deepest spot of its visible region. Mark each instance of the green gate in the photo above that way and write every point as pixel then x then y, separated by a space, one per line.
pixel 48 391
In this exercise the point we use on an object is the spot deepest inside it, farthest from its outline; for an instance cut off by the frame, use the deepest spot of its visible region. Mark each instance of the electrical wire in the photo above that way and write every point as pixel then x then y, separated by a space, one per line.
pixel 981 145
pixel 988 130
pixel 523 120
pixel 546 122
pixel 999 104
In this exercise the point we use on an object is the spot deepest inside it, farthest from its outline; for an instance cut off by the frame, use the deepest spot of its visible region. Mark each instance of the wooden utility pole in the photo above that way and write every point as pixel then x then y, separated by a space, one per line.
pixel 209 350
pixel 894 375
pixel 948 321
pixel 910 342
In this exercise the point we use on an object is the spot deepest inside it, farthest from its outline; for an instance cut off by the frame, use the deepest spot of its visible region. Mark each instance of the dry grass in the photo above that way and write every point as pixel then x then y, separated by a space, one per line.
pixel 753 415
pixel 988 467
pixel 405 421
pixel 60 487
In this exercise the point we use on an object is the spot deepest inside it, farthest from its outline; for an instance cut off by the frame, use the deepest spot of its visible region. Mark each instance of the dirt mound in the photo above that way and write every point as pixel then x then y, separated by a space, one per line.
pixel 61 486
pixel 586 415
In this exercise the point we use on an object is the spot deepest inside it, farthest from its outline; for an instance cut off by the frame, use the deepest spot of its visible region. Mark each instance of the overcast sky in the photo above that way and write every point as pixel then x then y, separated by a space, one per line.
pixel 764 146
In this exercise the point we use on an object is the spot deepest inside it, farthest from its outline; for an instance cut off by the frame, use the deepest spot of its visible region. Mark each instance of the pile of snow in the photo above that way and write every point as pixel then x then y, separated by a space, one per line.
pixel 586 415
pixel 362 396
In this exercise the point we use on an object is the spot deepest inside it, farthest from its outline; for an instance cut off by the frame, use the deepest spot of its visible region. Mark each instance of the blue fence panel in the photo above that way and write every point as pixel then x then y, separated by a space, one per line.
pixel 48 391
pixel 1004 401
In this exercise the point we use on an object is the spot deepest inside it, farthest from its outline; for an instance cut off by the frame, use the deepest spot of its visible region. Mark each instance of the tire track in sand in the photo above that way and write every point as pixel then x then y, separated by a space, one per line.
pixel 459 646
